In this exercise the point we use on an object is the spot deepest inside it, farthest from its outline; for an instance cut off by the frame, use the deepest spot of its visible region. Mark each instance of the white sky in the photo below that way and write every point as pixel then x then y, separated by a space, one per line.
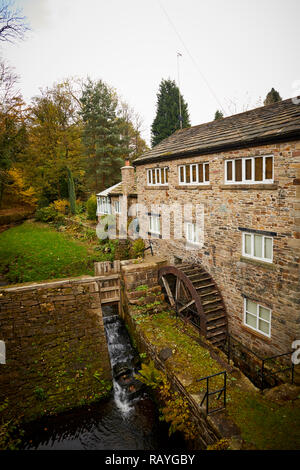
pixel 232 50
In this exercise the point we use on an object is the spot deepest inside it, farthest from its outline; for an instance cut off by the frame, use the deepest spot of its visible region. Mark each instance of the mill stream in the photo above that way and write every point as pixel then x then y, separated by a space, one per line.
pixel 128 420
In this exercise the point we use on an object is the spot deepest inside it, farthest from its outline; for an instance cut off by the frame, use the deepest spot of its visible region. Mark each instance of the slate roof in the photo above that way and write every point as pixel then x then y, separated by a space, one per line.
pixel 116 190
pixel 267 124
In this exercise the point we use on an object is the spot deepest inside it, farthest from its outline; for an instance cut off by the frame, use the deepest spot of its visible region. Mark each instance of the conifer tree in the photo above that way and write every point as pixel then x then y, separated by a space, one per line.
pixel 105 146
pixel 272 97
pixel 71 189
pixel 218 115
pixel 167 119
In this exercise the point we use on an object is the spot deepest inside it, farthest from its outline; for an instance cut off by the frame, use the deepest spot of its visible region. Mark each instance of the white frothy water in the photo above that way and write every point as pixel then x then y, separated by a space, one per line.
pixel 120 351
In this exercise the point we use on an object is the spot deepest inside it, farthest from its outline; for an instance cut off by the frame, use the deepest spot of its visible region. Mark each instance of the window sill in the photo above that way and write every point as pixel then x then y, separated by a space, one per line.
pixel 194 186
pixel 155 188
pixel 255 333
pixel 256 262
pixel 246 187
pixel 154 235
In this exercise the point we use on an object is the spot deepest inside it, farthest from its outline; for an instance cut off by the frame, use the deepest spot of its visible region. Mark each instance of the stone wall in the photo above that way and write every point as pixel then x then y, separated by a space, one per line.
pixel 265 207
pixel 56 351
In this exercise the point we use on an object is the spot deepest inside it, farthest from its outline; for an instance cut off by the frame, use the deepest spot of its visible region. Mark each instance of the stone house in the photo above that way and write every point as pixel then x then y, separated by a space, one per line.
pixel 119 197
pixel 244 170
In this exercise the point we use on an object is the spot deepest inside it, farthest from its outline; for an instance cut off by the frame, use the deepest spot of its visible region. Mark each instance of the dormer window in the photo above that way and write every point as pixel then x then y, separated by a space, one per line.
pixel 157 176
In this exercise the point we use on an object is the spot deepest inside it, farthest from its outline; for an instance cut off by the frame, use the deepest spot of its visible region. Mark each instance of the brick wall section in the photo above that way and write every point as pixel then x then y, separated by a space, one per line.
pixel 55 342
pixel 273 208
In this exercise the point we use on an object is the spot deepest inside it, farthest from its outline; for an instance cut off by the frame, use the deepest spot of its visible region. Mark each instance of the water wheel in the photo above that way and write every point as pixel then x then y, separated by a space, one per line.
pixel 193 293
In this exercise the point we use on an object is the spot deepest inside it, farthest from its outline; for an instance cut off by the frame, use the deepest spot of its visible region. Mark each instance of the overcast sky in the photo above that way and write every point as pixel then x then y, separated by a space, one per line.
pixel 233 51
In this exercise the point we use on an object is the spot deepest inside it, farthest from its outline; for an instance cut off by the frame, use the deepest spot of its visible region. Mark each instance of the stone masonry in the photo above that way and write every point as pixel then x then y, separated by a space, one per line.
pixel 56 350
pixel 269 207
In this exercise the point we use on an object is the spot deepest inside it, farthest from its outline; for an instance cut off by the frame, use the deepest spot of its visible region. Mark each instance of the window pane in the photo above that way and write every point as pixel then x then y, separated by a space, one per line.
pixel 269 168
pixel 258 246
pixel 157 174
pixel 166 175
pixel 250 320
pixel 162 176
pixel 194 173
pixel 251 306
pixel 189 232
pixel 264 327
pixel 247 244
pixel 264 313
pixel 238 170
pixel 188 173
pixel 229 171
pixel 248 169
pixel 268 248
pixel 206 172
pixel 181 173
pixel 153 177
pixel 258 169
pixel 200 168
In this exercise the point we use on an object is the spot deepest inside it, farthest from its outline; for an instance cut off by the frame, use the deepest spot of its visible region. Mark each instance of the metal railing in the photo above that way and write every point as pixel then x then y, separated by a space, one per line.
pixel 263 373
pixel 148 248
pixel 220 391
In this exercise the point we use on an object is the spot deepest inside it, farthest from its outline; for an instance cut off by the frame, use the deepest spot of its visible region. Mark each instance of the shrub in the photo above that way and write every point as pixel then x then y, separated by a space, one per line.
pixel 91 207
pixel 122 250
pixel 80 206
pixel 137 248
pixel 46 214
pixel 61 205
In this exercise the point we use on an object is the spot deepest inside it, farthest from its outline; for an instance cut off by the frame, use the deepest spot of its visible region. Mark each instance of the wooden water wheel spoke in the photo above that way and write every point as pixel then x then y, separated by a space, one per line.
pixel 186 306
pixel 169 292
pixel 193 291
pixel 177 289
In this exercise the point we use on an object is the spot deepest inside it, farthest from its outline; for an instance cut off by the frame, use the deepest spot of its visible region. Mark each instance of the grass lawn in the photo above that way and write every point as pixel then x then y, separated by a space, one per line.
pixel 36 252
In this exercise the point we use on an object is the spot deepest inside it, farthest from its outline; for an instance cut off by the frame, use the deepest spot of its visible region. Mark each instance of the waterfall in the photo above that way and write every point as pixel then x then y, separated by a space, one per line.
pixel 122 358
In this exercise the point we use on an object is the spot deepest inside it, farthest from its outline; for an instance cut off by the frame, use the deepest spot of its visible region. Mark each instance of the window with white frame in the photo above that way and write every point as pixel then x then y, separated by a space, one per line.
pixel 104 205
pixel 249 170
pixel 117 207
pixel 257 317
pixel 157 176
pixel 257 246
pixel 194 173
pixel 192 233
pixel 154 224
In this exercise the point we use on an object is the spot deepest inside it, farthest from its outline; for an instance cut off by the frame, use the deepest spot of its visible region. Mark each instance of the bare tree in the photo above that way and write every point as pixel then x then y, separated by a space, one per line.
pixel 8 81
pixel 13 25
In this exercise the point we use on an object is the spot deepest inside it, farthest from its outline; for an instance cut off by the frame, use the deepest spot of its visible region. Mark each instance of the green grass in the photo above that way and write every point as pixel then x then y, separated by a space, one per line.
pixel 36 252
pixel 262 422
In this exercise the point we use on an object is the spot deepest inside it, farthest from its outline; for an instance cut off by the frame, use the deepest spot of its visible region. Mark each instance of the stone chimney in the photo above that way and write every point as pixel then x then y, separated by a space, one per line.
pixel 127 178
